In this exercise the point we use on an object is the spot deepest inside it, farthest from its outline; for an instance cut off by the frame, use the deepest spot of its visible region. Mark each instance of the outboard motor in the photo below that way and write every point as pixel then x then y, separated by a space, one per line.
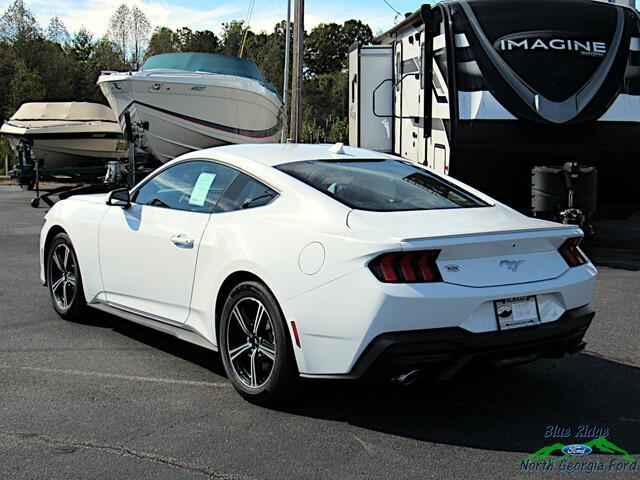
pixel 567 194
pixel 116 173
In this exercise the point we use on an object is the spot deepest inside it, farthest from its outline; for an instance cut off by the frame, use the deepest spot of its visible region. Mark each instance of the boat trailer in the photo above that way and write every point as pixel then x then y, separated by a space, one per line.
pixel 30 173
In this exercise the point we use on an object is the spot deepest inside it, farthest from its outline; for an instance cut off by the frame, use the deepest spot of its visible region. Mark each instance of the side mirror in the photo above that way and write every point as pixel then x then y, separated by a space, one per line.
pixel 119 198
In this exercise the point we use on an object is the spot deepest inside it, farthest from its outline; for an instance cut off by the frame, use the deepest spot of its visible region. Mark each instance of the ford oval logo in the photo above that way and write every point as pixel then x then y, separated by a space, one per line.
pixel 577 450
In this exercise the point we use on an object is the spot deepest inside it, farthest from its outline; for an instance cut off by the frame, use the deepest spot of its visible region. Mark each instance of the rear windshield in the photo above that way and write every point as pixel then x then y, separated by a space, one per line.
pixel 381 185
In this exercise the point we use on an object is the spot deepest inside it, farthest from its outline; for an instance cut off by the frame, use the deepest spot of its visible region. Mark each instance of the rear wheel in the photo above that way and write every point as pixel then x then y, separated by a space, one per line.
pixel 255 346
pixel 64 279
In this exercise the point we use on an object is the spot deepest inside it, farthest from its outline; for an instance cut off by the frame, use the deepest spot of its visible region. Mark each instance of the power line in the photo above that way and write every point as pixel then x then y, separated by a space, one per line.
pixel 398 14
pixel 391 7
pixel 246 30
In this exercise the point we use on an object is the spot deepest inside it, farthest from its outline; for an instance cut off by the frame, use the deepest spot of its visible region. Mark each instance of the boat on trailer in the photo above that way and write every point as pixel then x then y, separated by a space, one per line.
pixel 66 134
pixel 183 102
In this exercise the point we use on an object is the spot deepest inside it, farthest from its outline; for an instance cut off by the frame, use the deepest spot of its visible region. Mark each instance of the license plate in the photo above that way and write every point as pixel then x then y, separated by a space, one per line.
pixel 517 312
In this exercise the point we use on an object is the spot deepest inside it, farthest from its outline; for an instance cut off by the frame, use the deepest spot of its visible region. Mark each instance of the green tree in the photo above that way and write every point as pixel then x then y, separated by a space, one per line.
pixel 327 46
pixel 140 26
pixel 267 51
pixel 18 22
pixel 6 152
pixel 26 86
pixel 163 40
pixel 57 32
pixel 7 68
pixel 338 131
pixel 80 49
pixel 120 31
pixel 56 69
pixel 354 31
pixel 326 96
pixel 105 56
pixel 81 45
pixel 232 34
pixel 322 49
pixel 201 41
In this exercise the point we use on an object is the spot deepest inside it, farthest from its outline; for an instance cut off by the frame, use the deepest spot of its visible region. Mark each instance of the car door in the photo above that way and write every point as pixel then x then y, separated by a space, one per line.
pixel 148 252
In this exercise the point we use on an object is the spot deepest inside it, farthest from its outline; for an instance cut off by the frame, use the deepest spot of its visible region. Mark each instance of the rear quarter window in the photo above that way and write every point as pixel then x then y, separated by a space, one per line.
pixel 245 192
pixel 384 185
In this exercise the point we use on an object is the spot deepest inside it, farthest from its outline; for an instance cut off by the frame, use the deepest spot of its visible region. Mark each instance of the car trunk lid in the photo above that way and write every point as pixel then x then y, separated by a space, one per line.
pixel 479 247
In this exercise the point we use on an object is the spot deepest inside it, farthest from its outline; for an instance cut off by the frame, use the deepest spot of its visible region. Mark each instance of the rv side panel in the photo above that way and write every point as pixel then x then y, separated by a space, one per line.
pixel 370 97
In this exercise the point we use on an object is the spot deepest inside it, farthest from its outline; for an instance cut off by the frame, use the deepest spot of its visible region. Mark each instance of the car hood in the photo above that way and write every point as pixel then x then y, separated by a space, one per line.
pixel 91 198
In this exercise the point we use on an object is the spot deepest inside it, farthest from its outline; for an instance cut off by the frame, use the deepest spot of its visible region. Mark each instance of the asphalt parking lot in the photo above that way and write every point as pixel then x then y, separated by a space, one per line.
pixel 109 399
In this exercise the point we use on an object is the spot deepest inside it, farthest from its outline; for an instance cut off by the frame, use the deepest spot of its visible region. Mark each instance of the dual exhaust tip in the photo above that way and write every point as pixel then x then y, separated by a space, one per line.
pixel 407 378
pixel 411 376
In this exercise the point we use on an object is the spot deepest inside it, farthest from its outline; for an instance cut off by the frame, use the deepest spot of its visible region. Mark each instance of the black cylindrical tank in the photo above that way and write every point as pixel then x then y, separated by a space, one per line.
pixel 550 188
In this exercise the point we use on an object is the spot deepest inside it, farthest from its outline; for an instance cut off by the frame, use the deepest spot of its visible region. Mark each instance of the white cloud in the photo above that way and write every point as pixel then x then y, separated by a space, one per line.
pixel 94 14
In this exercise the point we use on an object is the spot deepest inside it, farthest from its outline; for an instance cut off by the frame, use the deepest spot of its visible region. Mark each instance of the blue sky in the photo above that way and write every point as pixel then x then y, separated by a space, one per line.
pixel 209 14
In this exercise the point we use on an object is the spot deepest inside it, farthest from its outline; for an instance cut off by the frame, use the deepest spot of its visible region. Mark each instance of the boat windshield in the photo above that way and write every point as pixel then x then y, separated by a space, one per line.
pixel 205 62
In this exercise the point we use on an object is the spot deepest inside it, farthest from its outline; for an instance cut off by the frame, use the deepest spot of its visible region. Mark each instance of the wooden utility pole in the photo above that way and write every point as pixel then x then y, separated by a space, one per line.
pixel 285 87
pixel 295 127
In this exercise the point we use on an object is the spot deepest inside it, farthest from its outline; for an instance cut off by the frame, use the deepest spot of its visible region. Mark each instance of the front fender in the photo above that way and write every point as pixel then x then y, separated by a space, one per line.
pixel 81 221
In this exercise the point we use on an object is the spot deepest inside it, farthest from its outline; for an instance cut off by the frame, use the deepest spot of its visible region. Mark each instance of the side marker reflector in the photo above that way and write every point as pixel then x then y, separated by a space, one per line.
pixel 295 333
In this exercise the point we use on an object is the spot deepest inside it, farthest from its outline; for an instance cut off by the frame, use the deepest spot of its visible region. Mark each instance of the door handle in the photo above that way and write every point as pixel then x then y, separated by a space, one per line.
pixel 182 241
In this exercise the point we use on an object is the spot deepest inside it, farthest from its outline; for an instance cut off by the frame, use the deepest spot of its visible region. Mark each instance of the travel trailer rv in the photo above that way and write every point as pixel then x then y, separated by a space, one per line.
pixel 489 90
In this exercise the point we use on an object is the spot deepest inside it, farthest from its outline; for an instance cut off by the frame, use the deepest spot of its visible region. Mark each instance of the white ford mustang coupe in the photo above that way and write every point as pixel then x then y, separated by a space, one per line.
pixel 321 262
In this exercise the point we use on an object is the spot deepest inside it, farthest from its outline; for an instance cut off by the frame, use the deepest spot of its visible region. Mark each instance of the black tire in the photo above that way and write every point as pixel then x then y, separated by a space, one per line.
pixel 266 387
pixel 64 280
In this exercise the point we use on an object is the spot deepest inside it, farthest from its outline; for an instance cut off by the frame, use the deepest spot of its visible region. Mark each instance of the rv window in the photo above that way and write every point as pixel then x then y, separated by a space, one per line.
pixel 354 82
pixel 398 70
pixel 410 66
pixel 381 185
pixel 440 57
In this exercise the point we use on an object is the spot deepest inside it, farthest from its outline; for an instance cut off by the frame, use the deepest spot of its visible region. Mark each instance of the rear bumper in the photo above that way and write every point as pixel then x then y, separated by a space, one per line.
pixel 442 352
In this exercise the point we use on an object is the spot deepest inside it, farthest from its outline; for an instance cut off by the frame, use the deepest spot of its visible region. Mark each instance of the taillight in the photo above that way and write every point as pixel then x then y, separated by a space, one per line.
pixel 407 267
pixel 572 253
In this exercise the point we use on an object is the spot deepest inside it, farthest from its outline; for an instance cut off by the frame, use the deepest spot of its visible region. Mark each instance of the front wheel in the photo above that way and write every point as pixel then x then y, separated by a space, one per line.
pixel 64 279
pixel 255 346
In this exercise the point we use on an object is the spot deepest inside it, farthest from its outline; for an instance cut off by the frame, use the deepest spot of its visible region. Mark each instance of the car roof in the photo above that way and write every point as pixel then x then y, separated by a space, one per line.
pixel 273 154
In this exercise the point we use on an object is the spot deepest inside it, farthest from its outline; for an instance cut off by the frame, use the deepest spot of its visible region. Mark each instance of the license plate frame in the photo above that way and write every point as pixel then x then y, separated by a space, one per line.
pixel 523 312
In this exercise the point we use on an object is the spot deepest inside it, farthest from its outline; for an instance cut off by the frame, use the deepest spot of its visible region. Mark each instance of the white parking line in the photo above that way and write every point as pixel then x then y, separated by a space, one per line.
pixel 136 378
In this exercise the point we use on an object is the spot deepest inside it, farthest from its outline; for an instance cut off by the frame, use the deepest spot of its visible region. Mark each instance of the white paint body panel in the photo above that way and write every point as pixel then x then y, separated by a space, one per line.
pixel 337 303
pixel 162 278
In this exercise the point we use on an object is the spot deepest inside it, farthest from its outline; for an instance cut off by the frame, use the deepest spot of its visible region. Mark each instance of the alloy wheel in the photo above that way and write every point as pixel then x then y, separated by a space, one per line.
pixel 251 342
pixel 63 276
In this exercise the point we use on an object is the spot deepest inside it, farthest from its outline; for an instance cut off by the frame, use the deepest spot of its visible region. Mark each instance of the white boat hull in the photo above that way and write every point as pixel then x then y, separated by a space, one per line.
pixel 183 112
pixel 66 134
pixel 74 152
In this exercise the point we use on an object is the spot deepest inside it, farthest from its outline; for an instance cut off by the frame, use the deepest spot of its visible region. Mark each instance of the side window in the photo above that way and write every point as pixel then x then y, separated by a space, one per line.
pixel 245 192
pixel 193 186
